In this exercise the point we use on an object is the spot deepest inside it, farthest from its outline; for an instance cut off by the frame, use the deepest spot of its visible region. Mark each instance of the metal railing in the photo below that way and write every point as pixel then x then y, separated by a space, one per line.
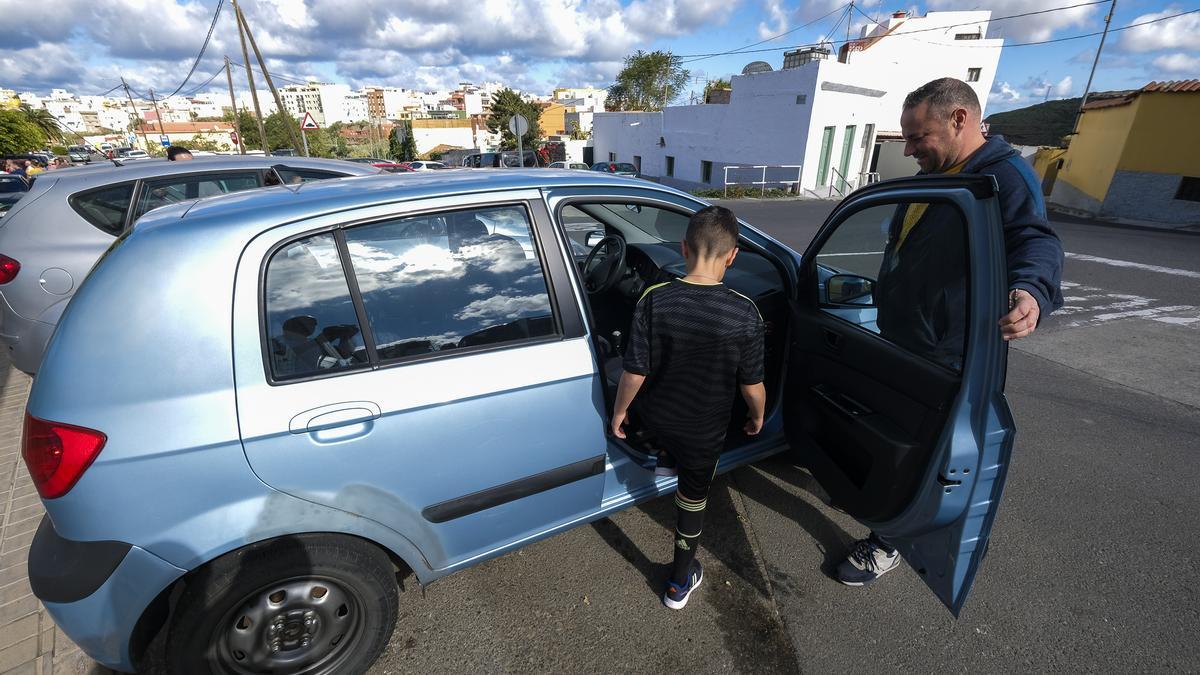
pixel 762 182
pixel 834 185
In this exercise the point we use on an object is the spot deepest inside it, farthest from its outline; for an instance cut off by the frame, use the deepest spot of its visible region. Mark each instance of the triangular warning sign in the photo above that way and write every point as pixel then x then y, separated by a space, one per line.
pixel 309 122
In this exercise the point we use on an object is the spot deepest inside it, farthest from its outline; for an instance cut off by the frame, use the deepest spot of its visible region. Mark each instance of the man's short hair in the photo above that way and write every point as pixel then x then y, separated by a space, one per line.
pixel 177 150
pixel 944 95
pixel 712 231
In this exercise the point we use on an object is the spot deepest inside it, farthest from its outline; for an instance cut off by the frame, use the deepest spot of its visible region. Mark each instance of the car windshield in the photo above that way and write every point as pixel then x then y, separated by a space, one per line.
pixel 624 167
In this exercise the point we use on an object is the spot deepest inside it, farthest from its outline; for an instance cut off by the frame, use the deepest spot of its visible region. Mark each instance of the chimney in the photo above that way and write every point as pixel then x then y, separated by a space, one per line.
pixel 899 14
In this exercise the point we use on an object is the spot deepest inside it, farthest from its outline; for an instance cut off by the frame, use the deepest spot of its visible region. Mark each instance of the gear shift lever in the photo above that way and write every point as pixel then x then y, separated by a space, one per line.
pixel 616 341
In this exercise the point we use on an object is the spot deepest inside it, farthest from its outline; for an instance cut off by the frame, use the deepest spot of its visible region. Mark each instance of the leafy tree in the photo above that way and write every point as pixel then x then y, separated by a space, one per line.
pixel 649 81
pixel 199 142
pixel 401 145
pixel 578 134
pixel 715 84
pixel 18 134
pixel 43 120
pixel 505 104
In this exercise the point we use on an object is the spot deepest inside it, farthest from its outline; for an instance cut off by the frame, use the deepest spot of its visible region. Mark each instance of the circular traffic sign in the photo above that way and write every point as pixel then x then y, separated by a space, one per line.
pixel 518 125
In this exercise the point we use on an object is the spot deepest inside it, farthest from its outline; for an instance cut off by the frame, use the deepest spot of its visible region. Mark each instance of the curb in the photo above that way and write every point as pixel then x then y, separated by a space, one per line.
pixel 1070 216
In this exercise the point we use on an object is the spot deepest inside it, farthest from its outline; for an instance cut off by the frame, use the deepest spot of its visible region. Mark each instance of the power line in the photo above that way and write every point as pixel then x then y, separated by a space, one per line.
pixel 278 77
pixel 207 38
pixel 774 37
pixel 195 90
pixel 926 30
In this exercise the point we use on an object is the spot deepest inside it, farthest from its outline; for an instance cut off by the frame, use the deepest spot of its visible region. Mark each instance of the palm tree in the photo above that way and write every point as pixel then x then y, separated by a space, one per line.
pixel 44 121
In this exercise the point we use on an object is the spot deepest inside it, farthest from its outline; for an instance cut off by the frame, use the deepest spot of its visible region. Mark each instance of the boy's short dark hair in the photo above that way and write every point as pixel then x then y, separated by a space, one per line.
pixel 177 150
pixel 712 231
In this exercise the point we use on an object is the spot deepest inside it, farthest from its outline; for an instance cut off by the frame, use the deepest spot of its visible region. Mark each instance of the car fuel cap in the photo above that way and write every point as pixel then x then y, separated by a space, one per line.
pixel 56 281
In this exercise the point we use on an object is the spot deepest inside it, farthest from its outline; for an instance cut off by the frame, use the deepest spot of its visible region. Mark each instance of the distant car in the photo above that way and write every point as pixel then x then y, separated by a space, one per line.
pixel 136 154
pixel 426 166
pixel 393 167
pixel 616 168
pixel 284 152
pixel 569 165
pixel 263 410
pixel 35 157
pixel 50 240
pixel 369 160
pixel 12 188
pixel 79 153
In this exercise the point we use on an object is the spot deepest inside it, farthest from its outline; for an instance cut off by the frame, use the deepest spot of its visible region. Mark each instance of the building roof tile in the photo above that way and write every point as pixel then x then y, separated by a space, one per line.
pixel 1170 86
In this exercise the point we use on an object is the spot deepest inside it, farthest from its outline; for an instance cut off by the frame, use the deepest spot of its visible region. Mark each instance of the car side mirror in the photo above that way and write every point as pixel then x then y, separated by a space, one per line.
pixel 594 237
pixel 849 289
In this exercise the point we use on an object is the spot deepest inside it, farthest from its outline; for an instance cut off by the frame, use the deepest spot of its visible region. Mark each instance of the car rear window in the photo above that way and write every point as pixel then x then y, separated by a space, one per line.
pixel 13 184
pixel 180 188
pixel 290 176
pixel 104 207
pixel 625 167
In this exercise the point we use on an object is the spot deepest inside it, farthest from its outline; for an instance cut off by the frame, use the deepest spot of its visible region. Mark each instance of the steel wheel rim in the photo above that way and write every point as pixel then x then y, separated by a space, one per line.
pixel 306 625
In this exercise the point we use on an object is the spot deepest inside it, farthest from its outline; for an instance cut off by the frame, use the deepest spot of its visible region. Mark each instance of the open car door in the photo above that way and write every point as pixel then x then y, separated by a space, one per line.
pixel 894 393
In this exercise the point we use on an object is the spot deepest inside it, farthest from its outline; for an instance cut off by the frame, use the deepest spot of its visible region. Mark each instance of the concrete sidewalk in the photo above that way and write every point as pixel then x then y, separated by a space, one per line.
pixel 29 640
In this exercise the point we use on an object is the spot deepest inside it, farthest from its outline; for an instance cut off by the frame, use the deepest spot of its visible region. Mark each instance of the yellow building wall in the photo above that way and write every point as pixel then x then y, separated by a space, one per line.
pixel 554 119
pixel 1044 158
pixel 454 123
pixel 1165 136
pixel 1095 152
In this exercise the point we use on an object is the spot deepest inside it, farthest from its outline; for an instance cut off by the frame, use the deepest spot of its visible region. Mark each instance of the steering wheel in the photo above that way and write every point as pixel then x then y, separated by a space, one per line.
pixel 601 273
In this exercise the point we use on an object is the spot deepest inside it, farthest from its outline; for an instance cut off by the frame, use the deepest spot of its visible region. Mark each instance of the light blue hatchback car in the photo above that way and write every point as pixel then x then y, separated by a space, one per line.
pixel 260 406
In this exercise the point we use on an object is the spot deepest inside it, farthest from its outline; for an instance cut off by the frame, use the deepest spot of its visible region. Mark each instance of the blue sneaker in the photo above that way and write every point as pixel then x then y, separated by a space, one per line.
pixel 676 597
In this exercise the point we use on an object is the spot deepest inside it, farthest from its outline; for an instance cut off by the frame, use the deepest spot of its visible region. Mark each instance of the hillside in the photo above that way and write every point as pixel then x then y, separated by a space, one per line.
pixel 1041 124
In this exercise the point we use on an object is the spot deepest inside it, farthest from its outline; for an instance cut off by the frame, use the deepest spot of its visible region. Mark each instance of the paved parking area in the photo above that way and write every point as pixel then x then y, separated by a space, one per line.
pixel 29 640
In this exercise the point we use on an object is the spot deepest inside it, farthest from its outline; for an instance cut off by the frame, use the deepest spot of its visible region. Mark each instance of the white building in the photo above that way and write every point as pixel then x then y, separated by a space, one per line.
pixel 588 99
pixel 837 118
pixel 399 103
pixel 354 108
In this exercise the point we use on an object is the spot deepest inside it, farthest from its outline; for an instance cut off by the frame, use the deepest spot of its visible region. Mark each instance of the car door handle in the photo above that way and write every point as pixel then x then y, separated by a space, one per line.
pixel 833 340
pixel 334 415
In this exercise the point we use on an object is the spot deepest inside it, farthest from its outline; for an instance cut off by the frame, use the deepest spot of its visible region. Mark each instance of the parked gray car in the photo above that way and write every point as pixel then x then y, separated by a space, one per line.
pixel 52 236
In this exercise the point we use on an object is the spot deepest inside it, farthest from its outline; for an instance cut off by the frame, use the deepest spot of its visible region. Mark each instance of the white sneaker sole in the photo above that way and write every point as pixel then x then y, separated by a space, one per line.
pixel 673 604
pixel 856 584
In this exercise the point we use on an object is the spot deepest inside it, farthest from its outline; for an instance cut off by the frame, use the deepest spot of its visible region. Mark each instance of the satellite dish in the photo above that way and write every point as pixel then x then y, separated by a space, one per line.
pixel 756 67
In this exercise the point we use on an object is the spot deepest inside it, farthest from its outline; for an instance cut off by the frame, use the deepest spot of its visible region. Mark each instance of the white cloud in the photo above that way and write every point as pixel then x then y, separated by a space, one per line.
pixel 1179 33
pixel 1185 64
pixel 1003 92
pixel 1027 28
pixel 1063 88
pixel 422 43
pixel 777 23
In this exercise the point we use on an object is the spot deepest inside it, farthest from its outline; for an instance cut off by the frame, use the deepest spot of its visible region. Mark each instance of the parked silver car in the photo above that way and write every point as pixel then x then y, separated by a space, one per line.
pixel 52 236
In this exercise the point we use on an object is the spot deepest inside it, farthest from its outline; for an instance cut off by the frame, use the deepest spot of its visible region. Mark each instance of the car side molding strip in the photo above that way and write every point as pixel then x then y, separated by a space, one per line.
pixel 517 489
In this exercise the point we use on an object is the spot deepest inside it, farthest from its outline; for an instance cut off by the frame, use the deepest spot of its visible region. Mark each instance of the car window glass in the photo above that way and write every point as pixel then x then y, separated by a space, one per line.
pixel 12 184
pixel 106 207
pixel 436 283
pixel 650 224
pixel 311 324
pixel 291 176
pixel 900 271
pixel 180 188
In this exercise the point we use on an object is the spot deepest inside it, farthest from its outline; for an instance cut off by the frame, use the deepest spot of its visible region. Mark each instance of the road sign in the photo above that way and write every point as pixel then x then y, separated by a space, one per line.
pixel 518 125
pixel 165 140
pixel 233 137
pixel 309 122
pixel 131 139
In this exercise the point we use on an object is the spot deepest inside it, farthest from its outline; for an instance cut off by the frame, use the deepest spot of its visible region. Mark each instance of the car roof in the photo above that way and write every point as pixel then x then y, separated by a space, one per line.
pixel 254 210
pixel 107 173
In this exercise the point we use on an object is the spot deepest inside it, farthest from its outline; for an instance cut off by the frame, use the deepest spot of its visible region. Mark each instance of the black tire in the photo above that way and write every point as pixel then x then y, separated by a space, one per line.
pixel 303 605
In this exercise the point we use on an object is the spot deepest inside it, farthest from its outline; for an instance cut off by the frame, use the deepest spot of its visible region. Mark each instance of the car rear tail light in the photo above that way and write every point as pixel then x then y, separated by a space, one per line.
pixel 8 269
pixel 58 454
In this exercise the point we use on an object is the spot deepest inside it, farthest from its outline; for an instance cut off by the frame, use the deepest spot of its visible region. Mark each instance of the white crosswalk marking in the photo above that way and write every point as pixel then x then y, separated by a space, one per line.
pixel 1090 306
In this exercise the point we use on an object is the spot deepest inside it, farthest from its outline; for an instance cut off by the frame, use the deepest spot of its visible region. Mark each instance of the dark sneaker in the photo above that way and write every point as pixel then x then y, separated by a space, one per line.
pixel 676 597
pixel 666 465
pixel 866 563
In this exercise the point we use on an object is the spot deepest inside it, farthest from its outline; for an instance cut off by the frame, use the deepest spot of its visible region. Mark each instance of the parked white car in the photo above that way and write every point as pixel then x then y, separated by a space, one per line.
pixel 569 165
pixel 426 166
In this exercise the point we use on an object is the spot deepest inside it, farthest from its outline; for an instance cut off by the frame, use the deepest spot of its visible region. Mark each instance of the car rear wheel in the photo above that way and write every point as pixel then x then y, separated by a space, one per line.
pixel 304 605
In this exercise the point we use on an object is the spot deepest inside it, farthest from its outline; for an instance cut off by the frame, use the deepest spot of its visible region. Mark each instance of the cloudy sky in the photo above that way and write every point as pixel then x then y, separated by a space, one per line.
pixel 87 45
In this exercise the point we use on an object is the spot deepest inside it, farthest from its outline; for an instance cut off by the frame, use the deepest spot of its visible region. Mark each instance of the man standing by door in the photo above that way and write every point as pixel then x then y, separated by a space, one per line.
pixel 941 122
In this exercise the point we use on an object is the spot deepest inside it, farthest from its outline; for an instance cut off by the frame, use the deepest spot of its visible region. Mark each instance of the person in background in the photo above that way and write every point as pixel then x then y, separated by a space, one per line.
pixel 178 153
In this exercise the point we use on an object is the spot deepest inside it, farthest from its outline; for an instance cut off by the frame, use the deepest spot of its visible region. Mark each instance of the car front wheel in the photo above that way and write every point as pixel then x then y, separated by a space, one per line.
pixel 303 604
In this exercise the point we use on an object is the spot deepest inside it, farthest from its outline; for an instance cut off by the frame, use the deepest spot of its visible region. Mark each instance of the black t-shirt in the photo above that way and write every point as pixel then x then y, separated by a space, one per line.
pixel 694 343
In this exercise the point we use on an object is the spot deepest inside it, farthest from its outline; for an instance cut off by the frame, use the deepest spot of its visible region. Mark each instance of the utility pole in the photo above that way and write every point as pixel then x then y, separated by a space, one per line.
pixel 262 130
pixel 1087 89
pixel 849 20
pixel 237 122
pixel 141 127
pixel 158 116
pixel 262 64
